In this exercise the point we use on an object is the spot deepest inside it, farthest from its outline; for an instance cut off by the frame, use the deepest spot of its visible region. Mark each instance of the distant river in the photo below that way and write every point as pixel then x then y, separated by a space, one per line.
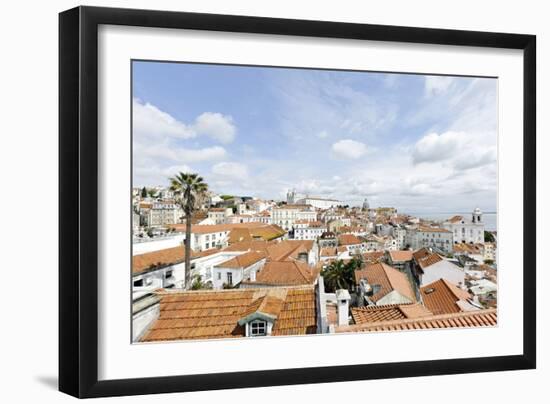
pixel 490 219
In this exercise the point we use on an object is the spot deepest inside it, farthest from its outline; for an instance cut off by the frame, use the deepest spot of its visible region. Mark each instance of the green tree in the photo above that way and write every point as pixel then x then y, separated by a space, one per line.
pixel 189 189
pixel 489 238
pixel 340 275
pixel 199 284
pixel 144 192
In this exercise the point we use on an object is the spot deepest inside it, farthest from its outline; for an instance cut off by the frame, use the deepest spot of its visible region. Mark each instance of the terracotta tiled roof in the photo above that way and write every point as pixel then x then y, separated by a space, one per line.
pixel 266 232
pixel 478 318
pixel 217 228
pixel 286 273
pixel 429 260
pixel 161 258
pixel 341 249
pixel 348 239
pixel 388 278
pixel 288 249
pixel 243 260
pixel 274 250
pixel 400 256
pixel 250 245
pixel 372 314
pixel 215 314
pixel 422 253
pixel 468 248
pixel 455 219
pixel 428 229
pixel 441 297
pixel 328 252
pixel 373 257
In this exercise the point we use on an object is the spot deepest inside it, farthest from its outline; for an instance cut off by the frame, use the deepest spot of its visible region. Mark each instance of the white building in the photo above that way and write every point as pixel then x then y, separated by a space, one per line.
pixel 374 243
pixel 308 230
pixel 319 203
pixel 160 213
pixel 166 268
pixel 286 215
pixel 467 230
pixel 219 215
pixel 237 269
pixel 430 237
pixel 432 267
pixel 399 234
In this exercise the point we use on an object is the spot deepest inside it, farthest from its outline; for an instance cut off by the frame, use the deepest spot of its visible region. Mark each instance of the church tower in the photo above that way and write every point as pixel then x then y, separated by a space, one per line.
pixel 366 205
pixel 291 197
pixel 477 216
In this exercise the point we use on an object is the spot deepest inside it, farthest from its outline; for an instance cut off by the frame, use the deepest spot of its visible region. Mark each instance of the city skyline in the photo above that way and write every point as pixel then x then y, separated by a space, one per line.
pixel 422 143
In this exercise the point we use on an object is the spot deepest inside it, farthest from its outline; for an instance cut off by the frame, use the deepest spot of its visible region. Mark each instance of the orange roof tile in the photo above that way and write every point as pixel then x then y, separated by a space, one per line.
pixel 441 297
pixel 419 254
pixel 468 248
pixel 400 256
pixel 161 258
pixel 243 261
pixel 429 260
pixel 373 257
pixel 285 273
pixel 388 278
pixel 428 229
pixel 349 239
pixel 455 219
pixel 215 314
pixel 477 318
pixel 372 314
pixel 328 252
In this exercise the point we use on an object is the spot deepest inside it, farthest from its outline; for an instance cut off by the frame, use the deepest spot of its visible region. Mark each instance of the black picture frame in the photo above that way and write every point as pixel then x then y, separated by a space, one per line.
pixel 78 200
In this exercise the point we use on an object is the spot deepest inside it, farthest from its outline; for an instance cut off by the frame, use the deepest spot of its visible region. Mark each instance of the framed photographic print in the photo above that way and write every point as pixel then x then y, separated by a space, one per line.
pixel 241 197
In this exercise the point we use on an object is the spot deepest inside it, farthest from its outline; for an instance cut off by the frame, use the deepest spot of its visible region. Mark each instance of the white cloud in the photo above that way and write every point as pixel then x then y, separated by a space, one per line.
pixel 148 120
pixel 434 85
pixel 475 159
pixel 216 125
pixel 167 152
pixel 151 122
pixel 460 150
pixel 323 134
pixel 434 147
pixel 204 154
pixel 349 149
pixel 230 170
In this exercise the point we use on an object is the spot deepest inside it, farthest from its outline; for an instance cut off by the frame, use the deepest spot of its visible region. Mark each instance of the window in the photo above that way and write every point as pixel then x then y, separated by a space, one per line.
pixel 138 283
pixel 167 274
pixel 258 328
pixel 219 276
pixel 230 278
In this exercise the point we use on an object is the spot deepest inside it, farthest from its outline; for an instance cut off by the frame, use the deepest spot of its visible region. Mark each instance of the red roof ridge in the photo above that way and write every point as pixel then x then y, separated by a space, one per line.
pixel 484 318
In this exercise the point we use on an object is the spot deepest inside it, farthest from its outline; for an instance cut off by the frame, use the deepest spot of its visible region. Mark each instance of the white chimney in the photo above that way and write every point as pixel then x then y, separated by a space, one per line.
pixel 342 300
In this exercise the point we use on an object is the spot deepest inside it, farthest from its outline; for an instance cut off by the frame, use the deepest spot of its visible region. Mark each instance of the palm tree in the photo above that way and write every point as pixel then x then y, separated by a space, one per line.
pixel 189 190
pixel 340 275
pixel 335 276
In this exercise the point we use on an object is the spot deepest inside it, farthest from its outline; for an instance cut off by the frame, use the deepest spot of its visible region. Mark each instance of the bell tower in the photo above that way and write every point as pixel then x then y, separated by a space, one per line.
pixel 477 216
pixel 291 196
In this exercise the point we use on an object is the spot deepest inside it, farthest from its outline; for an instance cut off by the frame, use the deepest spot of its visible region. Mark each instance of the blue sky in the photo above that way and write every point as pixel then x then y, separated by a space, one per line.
pixel 419 143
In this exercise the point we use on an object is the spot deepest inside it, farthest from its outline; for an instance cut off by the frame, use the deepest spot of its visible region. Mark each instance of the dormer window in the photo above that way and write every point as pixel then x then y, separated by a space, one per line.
pixel 258 328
